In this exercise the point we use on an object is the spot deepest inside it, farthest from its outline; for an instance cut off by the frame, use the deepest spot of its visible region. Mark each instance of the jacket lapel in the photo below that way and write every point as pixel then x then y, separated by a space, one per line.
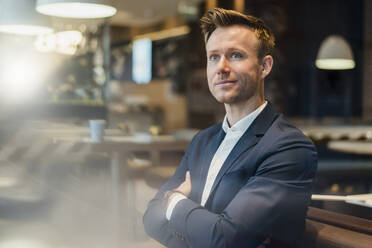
pixel 248 139
pixel 210 150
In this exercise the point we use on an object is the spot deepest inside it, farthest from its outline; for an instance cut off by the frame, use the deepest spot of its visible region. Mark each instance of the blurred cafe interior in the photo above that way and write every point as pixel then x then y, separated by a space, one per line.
pixel 139 67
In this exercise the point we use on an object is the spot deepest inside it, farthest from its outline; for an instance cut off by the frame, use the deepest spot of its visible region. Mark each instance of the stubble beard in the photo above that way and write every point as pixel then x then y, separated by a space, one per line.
pixel 236 94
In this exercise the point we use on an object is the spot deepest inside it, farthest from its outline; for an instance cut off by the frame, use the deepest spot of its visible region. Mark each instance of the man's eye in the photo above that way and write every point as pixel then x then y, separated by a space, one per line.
pixel 213 57
pixel 236 55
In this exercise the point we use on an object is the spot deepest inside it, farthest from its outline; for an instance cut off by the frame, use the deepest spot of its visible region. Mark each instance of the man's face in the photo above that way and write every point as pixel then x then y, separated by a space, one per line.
pixel 233 69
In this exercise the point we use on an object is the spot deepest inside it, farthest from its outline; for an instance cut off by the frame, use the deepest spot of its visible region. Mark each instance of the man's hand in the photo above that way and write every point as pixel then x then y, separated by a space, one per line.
pixel 184 188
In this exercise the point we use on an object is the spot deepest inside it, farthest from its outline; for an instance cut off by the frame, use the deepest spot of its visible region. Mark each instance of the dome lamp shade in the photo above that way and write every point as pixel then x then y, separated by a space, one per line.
pixel 80 9
pixel 335 54
pixel 20 17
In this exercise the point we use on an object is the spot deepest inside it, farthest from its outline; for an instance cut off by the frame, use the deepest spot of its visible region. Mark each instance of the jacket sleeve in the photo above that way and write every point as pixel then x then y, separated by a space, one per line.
pixel 272 203
pixel 154 220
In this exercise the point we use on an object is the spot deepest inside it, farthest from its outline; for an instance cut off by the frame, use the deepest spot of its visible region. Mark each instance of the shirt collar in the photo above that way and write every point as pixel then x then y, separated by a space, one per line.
pixel 243 124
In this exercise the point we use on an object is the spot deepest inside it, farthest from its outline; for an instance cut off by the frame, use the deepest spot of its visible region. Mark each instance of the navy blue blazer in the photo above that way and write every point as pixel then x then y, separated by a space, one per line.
pixel 262 190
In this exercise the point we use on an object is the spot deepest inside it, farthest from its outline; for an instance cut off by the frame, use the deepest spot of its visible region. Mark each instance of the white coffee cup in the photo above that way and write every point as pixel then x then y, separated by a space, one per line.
pixel 97 130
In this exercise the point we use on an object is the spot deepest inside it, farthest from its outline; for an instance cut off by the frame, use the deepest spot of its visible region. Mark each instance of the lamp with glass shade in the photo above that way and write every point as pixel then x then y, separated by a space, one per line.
pixel 81 9
pixel 20 17
pixel 335 54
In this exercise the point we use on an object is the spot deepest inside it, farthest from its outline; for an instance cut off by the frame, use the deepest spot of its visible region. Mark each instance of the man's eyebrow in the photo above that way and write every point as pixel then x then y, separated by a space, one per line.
pixel 213 51
pixel 228 50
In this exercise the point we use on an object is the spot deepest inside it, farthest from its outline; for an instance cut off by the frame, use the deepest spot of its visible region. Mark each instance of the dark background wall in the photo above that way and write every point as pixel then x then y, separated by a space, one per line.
pixel 310 22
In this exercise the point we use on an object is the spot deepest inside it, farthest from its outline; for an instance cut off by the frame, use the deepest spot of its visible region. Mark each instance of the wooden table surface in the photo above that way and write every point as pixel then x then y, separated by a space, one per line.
pixel 337 132
pixel 350 146
pixel 130 143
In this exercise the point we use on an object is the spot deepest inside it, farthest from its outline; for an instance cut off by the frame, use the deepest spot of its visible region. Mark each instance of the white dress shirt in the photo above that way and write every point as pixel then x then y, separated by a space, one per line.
pixel 233 134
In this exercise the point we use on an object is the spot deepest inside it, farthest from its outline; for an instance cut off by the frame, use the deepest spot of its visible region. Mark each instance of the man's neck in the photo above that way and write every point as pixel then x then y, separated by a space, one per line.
pixel 236 112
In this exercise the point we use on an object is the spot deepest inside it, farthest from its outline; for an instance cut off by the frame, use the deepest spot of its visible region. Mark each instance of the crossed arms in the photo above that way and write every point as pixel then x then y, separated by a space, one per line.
pixel 245 208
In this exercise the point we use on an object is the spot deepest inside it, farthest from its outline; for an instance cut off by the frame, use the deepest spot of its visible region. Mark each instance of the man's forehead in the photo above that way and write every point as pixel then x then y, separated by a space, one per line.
pixel 232 31
pixel 238 34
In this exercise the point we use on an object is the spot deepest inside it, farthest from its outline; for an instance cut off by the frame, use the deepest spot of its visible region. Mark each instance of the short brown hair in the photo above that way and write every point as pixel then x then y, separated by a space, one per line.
pixel 219 17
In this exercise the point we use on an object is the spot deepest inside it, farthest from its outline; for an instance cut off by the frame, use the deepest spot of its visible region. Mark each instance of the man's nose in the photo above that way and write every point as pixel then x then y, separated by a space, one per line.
pixel 223 66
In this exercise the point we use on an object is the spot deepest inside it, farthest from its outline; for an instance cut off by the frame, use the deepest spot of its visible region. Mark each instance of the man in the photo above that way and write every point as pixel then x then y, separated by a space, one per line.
pixel 245 182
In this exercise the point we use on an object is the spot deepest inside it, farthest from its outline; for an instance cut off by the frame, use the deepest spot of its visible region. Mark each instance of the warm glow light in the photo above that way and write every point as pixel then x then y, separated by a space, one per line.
pixel 25 29
pixel 45 43
pixel 69 37
pixel 20 79
pixel 165 34
pixel 335 64
pixel 65 42
pixel 76 10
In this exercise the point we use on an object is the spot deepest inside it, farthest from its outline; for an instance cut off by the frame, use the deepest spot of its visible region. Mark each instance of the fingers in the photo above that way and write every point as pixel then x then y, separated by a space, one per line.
pixel 187 176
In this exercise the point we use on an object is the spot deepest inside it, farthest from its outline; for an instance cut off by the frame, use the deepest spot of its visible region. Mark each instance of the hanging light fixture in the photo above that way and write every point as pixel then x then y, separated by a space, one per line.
pixel 64 42
pixel 335 54
pixel 85 9
pixel 20 17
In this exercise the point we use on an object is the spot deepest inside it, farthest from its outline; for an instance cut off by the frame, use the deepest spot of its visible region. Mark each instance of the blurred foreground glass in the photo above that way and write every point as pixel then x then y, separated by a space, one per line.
pixel 335 54
pixel 20 17
pixel 85 9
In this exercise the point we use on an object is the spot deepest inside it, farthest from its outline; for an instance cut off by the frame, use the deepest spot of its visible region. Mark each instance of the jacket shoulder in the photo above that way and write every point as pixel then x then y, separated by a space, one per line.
pixel 285 130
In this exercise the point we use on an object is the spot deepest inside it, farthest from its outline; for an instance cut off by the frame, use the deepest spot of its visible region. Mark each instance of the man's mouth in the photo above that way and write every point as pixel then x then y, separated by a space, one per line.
pixel 225 82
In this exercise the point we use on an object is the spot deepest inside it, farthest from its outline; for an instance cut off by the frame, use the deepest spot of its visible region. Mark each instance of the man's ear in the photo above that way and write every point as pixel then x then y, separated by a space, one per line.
pixel 267 64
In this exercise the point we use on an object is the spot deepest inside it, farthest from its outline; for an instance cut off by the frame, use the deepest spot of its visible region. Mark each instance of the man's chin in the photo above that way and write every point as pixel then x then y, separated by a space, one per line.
pixel 226 100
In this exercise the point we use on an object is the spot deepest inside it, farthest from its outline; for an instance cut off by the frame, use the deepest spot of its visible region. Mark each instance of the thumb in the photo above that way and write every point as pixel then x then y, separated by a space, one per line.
pixel 187 176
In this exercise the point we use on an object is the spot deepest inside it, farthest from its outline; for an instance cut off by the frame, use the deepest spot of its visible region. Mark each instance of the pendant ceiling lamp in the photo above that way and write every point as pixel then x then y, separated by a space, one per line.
pixel 335 54
pixel 20 17
pixel 84 9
